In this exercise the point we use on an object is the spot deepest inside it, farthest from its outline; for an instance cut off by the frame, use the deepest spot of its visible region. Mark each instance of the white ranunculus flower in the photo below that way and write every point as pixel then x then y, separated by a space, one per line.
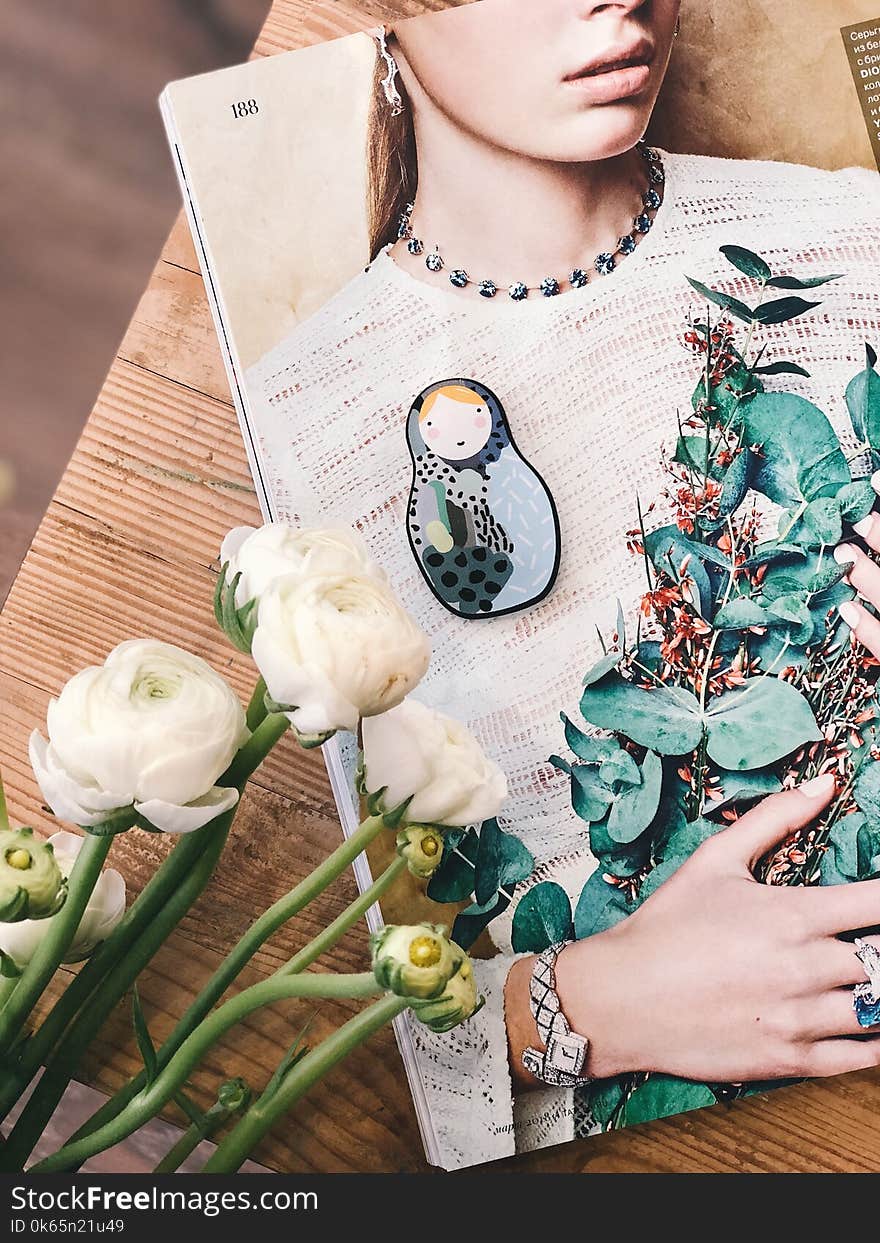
pixel 152 729
pixel 333 649
pixel 105 909
pixel 262 554
pixel 416 753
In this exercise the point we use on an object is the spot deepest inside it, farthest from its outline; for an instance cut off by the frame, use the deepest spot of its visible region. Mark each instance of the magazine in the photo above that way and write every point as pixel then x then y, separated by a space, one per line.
pixel 574 315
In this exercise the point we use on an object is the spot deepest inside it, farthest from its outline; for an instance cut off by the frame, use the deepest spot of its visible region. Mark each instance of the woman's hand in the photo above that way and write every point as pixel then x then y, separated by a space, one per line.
pixel 716 977
pixel 865 577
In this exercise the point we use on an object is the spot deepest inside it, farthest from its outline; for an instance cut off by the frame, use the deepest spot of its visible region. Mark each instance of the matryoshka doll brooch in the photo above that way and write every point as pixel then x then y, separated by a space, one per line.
pixel 481 522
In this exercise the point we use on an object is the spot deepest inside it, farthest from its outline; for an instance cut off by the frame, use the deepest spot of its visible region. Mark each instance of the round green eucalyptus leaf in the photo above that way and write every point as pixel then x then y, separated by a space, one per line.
pixel 542 918
pixel 634 809
pixel 664 719
pixel 758 724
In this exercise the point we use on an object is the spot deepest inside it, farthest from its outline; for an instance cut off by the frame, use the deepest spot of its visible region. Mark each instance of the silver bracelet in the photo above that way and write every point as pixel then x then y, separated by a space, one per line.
pixel 565 1052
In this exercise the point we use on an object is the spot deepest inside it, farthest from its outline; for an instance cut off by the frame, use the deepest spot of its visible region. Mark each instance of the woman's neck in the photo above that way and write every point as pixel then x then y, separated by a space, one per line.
pixel 500 215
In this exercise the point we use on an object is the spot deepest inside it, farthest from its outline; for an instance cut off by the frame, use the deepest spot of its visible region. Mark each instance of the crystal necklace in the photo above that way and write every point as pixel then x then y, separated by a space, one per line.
pixel 604 264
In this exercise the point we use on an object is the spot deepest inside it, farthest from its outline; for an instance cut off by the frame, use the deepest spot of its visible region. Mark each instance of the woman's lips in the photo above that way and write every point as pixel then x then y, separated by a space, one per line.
pixel 609 85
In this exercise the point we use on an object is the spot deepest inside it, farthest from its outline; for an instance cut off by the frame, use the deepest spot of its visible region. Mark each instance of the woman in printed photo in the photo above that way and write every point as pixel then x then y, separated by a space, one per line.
pixel 485 402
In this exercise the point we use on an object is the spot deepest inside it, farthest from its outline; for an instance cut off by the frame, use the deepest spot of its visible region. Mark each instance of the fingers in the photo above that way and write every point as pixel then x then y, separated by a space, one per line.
pixel 841 908
pixel 865 574
pixel 840 1057
pixel 865 627
pixel 832 1014
pixel 768 824
pixel 834 964
pixel 869 528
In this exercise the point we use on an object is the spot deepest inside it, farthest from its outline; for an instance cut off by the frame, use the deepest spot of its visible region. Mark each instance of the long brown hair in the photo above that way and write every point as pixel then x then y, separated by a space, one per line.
pixel 392 168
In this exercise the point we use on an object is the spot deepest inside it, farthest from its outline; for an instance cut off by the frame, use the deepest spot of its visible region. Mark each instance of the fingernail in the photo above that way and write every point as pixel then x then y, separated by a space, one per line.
pixel 845 554
pixel 850 614
pixel 875 481
pixel 819 787
pixel 863 528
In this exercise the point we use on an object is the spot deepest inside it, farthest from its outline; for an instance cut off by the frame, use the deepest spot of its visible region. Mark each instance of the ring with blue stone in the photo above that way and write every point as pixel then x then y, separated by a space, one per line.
pixel 866 997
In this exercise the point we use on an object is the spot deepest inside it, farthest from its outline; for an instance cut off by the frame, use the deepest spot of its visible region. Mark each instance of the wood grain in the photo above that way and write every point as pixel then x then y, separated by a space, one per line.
pixel 127 548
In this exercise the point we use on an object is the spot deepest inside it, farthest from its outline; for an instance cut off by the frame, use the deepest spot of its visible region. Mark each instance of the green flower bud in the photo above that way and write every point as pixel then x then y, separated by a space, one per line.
pixel 412 961
pixel 422 848
pixel 32 885
pixel 234 1095
pixel 459 1000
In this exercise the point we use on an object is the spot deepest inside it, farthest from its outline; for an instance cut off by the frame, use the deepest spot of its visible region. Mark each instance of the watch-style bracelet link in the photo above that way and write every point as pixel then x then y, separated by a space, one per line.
pixel 565 1053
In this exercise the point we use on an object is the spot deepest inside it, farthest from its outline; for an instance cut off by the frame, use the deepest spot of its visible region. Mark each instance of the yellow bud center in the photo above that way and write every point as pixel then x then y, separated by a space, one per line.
pixel 430 847
pixel 19 859
pixel 425 952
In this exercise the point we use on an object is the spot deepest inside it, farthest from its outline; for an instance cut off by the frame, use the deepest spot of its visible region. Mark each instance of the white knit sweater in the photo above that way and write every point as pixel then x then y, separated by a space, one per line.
pixel 591 381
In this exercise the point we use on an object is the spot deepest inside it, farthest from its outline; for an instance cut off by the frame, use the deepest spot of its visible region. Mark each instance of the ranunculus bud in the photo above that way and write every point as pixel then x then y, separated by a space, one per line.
pixel 459 1000
pixel 104 911
pixel 335 649
pixel 422 847
pixel 148 734
pixel 31 882
pixel 414 961
pixel 415 753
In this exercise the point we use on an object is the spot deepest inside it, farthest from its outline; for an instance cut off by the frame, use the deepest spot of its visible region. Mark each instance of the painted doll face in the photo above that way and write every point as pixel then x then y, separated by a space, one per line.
pixel 456 430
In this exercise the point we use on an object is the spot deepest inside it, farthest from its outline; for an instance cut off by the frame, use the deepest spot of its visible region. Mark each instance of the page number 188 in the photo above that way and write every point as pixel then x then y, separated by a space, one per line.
pixel 245 108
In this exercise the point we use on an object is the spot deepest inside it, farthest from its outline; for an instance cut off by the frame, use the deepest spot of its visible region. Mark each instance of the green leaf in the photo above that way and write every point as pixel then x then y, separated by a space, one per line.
pixel 769 554
pixel 748 262
pixel 454 879
pixel 794 282
pixel 664 1095
pixel 795 612
pixel 736 484
pixel 602 668
pixel 9 968
pixel 800 457
pixel 725 301
pixel 502 862
pixel 758 724
pixel 668 546
pixel 782 310
pixel 590 797
pixel 843 849
pixel 600 906
pixel 782 368
pixel 591 750
pixel 692 451
pixel 743 788
pixel 867 790
pixel 829 577
pixel 856 501
pixel 142 1034
pixel 620 768
pixel 869 851
pixel 863 402
pixel 742 614
pixel 663 719
pixel 822 517
pixel 634 809
pixel 542 918
pixel 475 919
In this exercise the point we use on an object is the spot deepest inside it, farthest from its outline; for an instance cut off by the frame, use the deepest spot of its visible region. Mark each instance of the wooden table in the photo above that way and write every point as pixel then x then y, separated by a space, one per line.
pixel 127 549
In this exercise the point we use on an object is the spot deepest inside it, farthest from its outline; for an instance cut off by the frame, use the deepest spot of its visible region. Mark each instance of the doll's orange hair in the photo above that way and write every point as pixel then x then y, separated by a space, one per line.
pixel 455 392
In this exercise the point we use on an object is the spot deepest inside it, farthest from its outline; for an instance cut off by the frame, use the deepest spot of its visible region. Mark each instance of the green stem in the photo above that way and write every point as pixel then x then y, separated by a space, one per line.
pixel 4 810
pixel 350 916
pixel 61 1067
pixel 210 1122
pixel 259 932
pixel 8 985
pixel 262 1115
pixel 170 1079
pixel 57 940
pixel 152 904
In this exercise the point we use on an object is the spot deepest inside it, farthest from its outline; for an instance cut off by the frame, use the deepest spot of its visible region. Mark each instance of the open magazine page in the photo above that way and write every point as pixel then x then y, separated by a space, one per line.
pixel 603 409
